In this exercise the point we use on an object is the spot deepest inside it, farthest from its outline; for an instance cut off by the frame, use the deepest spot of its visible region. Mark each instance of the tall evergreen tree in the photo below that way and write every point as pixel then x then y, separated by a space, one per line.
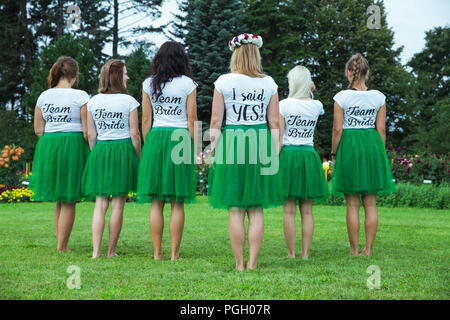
pixel 431 68
pixel 208 26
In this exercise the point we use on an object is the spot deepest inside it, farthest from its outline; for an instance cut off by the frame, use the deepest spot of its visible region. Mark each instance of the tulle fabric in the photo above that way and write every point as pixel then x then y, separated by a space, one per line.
pixel 58 165
pixel 361 165
pixel 303 175
pixel 245 171
pixel 167 171
pixel 111 169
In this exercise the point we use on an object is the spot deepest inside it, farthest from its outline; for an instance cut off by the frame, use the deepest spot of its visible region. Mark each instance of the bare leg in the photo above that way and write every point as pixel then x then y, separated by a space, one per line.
pixel 370 222
pixel 237 235
pixel 65 224
pixel 255 236
pixel 157 227
pixel 289 211
pixel 353 203
pixel 98 224
pixel 57 213
pixel 307 227
pixel 176 226
pixel 115 223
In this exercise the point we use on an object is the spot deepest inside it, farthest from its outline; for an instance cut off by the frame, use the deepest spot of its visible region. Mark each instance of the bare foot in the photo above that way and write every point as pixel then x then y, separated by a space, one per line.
pixel 354 253
pixel 291 255
pixel 111 255
pixel 366 252
pixel 251 266
pixel 304 256
pixel 96 256
pixel 177 257
pixel 158 257
pixel 240 267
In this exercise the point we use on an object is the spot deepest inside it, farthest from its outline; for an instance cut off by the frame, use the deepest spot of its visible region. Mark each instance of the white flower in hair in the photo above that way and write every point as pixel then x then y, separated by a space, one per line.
pixel 245 38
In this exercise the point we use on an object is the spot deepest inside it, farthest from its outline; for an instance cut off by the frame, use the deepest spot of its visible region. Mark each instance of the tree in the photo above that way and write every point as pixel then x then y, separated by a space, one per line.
pixel 151 8
pixel 138 67
pixel 207 28
pixel 66 45
pixel 431 87
pixel 323 35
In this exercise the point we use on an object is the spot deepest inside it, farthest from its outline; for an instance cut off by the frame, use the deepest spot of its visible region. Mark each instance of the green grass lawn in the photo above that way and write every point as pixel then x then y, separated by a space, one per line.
pixel 411 250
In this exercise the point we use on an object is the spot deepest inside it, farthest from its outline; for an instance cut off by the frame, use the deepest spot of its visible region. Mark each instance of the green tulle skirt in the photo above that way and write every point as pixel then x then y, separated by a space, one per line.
pixel 303 175
pixel 361 165
pixel 111 169
pixel 58 165
pixel 167 171
pixel 245 171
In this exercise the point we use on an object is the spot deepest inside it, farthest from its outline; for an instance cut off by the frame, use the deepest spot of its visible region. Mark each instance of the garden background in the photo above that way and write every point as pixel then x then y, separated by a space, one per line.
pixel 321 35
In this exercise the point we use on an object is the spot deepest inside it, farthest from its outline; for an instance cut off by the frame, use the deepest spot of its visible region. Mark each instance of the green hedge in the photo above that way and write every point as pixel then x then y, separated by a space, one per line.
pixel 409 195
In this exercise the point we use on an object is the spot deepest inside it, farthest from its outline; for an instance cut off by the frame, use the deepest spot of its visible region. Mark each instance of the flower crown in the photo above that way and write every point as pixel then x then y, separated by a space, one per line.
pixel 245 38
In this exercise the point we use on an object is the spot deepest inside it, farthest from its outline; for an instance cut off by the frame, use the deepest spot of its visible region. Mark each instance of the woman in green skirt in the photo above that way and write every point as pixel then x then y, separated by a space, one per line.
pixel 300 165
pixel 361 169
pixel 115 141
pixel 167 168
pixel 244 177
pixel 62 150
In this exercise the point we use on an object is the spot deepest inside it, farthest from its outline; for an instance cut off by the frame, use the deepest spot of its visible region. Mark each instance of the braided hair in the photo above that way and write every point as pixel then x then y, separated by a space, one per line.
pixel 359 67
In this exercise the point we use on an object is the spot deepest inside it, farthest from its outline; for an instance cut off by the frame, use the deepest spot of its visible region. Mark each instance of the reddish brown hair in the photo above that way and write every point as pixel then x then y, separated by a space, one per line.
pixel 111 77
pixel 63 68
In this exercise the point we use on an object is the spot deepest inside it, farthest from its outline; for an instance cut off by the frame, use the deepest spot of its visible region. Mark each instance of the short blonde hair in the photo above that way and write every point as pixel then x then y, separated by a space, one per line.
pixel 246 59
pixel 299 79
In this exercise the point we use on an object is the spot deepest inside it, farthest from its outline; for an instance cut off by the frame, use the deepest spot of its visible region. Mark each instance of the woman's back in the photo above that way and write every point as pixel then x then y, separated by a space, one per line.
pixel 169 109
pixel 360 107
pixel 246 98
pixel 110 113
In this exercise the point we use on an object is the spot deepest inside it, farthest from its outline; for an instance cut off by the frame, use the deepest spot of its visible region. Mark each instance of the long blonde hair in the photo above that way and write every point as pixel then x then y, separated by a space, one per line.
pixel 246 59
pixel 299 79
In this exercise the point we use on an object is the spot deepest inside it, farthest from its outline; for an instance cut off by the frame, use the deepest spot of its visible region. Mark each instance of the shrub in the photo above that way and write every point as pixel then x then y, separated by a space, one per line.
pixel 16 195
pixel 9 165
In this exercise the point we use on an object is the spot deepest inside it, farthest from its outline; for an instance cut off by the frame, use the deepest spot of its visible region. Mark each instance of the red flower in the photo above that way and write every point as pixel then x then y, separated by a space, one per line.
pixel 427 166
pixel 255 36
pixel 245 36
pixel 437 156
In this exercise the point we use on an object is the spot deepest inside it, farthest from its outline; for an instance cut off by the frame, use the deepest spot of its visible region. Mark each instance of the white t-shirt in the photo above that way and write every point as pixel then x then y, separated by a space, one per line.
pixel 246 98
pixel 60 108
pixel 300 119
pixel 169 110
pixel 110 113
pixel 360 107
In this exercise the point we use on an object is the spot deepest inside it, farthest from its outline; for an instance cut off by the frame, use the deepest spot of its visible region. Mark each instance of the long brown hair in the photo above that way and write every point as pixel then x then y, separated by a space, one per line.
pixel 246 59
pixel 170 61
pixel 64 67
pixel 111 77
pixel 359 67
